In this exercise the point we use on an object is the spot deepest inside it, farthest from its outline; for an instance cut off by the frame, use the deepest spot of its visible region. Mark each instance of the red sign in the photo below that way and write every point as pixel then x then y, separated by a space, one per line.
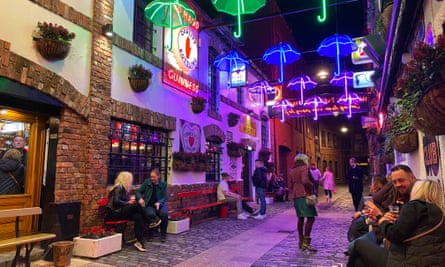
pixel 180 81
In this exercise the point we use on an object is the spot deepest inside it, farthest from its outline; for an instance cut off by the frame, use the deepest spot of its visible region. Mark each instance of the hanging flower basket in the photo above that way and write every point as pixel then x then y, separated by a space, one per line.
pixel 52 50
pixel 52 41
pixel 235 150
pixel 405 143
pixel 430 112
pixel 197 104
pixel 139 77
pixel 139 84
pixel 232 119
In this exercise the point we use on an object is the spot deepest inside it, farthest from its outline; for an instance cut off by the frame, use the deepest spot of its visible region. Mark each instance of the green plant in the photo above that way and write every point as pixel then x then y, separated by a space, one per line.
pixel 53 32
pixel 96 232
pixel 139 72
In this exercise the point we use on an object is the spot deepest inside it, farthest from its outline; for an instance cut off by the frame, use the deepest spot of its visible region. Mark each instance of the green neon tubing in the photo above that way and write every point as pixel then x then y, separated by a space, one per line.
pixel 238 34
pixel 323 7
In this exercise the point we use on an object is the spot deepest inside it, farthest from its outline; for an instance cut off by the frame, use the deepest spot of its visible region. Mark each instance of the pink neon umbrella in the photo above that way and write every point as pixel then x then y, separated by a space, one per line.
pixel 316 101
pixel 283 104
pixel 261 88
pixel 349 99
pixel 302 82
pixel 344 79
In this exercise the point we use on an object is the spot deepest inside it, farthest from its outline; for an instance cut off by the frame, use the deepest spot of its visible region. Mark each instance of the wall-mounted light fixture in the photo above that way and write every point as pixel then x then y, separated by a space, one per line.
pixel 107 30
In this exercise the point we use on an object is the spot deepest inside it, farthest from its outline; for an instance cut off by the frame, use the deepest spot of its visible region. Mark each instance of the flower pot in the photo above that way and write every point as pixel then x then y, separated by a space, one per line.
pixel 95 248
pixel 197 107
pixel 405 143
pixel 430 112
pixel 138 85
pixel 52 50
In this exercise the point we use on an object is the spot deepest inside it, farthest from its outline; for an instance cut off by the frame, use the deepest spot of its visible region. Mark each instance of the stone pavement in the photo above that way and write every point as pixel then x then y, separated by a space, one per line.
pixel 230 242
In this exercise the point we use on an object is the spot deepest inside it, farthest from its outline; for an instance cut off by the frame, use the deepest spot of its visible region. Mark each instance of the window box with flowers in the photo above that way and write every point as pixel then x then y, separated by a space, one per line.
pixel 423 78
pixel 235 150
pixel 198 104
pixel 97 242
pixel 52 41
pixel 195 162
pixel 139 77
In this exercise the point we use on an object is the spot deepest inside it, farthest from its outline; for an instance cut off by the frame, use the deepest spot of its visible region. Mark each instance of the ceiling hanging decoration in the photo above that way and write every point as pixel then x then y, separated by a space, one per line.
pixel 228 62
pixel 281 54
pixel 351 99
pixel 170 14
pixel 344 80
pixel 283 104
pixel 315 102
pixel 261 88
pixel 302 83
pixel 238 8
pixel 336 46
pixel 322 18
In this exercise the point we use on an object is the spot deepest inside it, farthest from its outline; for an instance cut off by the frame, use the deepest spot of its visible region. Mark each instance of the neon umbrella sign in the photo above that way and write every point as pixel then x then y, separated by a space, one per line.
pixel 336 46
pixel 283 104
pixel 345 80
pixel 261 88
pixel 238 8
pixel 281 54
pixel 316 102
pixel 351 99
pixel 169 13
pixel 230 61
pixel 302 82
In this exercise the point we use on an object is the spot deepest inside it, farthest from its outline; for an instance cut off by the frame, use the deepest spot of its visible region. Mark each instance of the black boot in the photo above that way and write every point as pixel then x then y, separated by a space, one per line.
pixel 307 244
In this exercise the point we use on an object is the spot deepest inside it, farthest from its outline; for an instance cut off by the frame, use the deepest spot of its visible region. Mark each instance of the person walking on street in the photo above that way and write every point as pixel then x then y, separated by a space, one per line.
pixel 259 180
pixel 316 175
pixel 328 184
pixel 354 176
pixel 300 187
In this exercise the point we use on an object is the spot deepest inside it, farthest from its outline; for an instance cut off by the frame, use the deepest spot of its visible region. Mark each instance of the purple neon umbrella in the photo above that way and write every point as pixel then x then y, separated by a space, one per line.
pixel 228 62
pixel 302 82
pixel 283 104
pixel 344 79
pixel 261 88
pixel 316 101
pixel 350 99
pixel 281 54
pixel 336 46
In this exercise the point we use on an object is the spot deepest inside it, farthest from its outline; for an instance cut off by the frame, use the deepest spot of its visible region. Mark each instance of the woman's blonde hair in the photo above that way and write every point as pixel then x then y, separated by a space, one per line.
pixel 124 179
pixel 429 191
pixel 13 153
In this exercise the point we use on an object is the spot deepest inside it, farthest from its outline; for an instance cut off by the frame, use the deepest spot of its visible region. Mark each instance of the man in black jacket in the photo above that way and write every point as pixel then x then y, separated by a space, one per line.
pixel 259 180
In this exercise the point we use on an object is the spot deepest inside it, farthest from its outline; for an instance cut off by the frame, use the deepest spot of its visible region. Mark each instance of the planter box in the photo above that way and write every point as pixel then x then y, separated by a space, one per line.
pixel 94 248
pixel 176 227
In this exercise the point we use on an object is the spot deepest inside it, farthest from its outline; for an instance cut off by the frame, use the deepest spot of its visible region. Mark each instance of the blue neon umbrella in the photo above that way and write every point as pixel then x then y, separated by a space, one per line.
pixel 316 102
pixel 344 79
pixel 349 100
pixel 336 46
pixel 302 82
pixel 283 104
pixel 261 88
pixel 228 62
pixel 281 54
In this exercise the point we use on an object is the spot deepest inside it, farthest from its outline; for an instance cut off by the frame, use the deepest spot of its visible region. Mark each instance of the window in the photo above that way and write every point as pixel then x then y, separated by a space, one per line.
pixel 143 28
pixel 264 134
pixel 213 151
pixel 137 149
pixel 323 138
pixel 329 140
pixel 212 81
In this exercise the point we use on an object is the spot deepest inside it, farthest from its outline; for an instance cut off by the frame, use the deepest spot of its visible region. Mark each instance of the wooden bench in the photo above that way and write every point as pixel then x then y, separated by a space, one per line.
pixel 118 225
pixel 26 240
pixel 210 204
pixel 238 189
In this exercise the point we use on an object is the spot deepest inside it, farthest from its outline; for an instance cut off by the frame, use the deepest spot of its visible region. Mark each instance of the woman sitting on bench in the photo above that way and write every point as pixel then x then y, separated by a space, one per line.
pixel 121 207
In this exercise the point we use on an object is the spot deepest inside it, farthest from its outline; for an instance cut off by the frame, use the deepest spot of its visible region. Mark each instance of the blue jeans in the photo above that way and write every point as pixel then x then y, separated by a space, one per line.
pixel 261 193
pixel 370 236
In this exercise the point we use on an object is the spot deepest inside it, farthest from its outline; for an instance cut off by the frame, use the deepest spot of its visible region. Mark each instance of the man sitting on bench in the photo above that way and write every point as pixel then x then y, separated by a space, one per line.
pixel 224 194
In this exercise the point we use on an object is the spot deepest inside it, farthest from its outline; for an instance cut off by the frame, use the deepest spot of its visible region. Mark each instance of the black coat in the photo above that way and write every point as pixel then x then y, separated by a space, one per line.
pixel 416 217
pixel 17 169
pixel 354 176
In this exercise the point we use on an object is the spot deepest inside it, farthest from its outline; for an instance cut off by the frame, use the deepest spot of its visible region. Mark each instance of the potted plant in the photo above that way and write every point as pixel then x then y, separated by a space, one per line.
pixel 52 41
pixel 139 77
pixel 423 78
pixel 198 104
pixel 96 242
pixel 232 119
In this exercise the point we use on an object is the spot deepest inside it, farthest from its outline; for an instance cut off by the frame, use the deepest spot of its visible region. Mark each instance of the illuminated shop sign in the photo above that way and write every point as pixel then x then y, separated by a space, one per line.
pixel 363 79
pixel 359 56
pixel 238 76
pixel 180 80
pixel 331 107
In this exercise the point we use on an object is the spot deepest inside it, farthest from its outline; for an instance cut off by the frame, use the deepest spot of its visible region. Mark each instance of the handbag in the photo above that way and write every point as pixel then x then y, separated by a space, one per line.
pixel 10 186
pixel 311 200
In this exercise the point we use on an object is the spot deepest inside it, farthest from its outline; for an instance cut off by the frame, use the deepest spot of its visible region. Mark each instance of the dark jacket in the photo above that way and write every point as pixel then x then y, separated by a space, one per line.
pixel 117 199
pixel 354 176
pixel 259 178
pixel 146 190
pixel 15 168
pixel 416 217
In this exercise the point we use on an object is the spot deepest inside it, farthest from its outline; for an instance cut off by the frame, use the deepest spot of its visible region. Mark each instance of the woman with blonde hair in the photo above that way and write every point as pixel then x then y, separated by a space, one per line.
pixel 417 235
pixel 121 207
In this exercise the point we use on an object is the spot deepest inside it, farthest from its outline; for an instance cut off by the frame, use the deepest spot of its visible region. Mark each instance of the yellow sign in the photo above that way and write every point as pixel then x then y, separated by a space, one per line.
pixel 248 126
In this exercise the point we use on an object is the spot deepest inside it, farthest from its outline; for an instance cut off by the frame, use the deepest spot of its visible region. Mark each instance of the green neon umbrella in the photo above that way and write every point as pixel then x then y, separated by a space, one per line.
pixel 238 8
pixel 169 13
